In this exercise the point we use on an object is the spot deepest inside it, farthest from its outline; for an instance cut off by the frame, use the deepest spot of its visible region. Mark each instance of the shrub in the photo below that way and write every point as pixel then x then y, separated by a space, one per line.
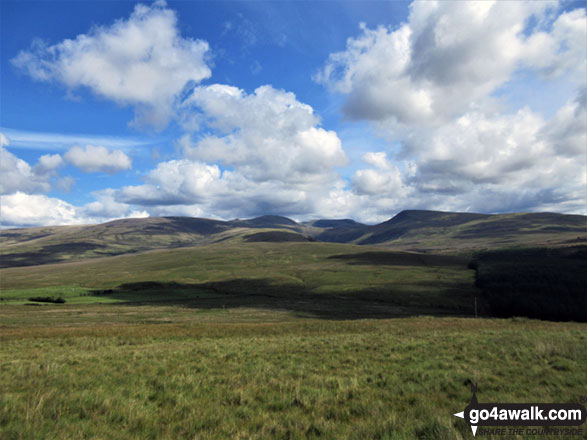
pixel 47 299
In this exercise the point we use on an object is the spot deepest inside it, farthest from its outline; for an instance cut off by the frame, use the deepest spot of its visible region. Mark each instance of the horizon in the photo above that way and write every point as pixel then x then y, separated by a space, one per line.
pixel 299 222
pixel 327 110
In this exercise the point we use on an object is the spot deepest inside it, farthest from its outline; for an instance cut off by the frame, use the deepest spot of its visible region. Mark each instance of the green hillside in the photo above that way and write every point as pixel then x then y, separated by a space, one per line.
pixel 318 279
pixel 447 232
pixel 422 231
pixel 34 246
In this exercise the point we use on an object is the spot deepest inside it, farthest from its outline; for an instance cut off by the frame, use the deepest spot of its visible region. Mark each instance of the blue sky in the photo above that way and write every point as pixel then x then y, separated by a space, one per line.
pixel 227 109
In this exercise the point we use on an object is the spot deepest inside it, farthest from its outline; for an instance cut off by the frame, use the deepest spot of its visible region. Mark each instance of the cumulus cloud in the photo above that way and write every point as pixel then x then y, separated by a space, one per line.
pixel 180 186
pixel 561 49
pixel 48 163
pixel 275 158
pixel 26 210
pixel 176 182
pixel 141 61
pixel 20 209
pixel 94 159
pixel 17 175
pixel 267 135
pixel 497 163
pixel 106 208
pixel 430 85
pixel 449 57
pixel 567 131
pixel 188 187
pixel 384 177
pixel 477 162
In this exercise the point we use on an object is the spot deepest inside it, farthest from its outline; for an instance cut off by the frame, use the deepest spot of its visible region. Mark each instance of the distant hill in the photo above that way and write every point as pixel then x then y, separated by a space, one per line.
pixel 276 237
pixel 416 222
pixel 265 221
pixel 423 231
pixel 30 246
pixel 460 232
pixel 336 224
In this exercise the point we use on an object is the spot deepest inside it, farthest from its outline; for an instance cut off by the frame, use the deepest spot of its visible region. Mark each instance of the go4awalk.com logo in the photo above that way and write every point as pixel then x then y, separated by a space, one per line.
pixel 566 417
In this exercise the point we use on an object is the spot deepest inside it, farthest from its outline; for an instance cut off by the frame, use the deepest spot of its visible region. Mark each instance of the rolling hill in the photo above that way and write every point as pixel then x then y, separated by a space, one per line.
pixel 421 231
pixel 433 231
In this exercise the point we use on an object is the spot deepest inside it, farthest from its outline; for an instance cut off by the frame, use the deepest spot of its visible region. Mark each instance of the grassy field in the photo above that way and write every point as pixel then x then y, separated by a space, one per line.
pixel 312 279
pixel 264 341
pixel 168 372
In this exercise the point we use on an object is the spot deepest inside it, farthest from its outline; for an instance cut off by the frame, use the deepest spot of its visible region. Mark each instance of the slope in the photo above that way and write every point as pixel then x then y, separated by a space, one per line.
pixel 450 232
pixel 318 279
pixel 33 246
pixel 422 231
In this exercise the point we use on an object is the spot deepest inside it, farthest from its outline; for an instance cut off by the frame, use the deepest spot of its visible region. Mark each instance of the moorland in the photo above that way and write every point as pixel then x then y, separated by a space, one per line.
pixel 269 328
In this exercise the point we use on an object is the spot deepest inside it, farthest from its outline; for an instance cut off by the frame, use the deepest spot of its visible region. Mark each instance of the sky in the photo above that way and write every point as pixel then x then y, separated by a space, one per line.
pixel 323 109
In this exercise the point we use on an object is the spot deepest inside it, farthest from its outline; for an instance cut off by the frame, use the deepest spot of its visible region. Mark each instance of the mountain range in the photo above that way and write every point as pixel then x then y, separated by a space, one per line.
pixel 411 230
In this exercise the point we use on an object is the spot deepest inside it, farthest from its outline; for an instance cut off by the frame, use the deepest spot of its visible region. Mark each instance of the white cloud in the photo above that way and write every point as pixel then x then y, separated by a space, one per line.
pixel 65 183
pixel 266 135
pixel 430 85
pixel 384 178
pixel 48 163
pixel 93 159
pixel 26 210
pixel 182 187
pixel 17 175
pixel 277 158
pixel 477 162
pixel 20 209
pixel 567 131
pixel 377 159
pixel 483 149
pixel 449 57
pixel 177 182
pixel 4 141
pixel 141 61
pixel 481 163
pixel 560 50
pixel 106 208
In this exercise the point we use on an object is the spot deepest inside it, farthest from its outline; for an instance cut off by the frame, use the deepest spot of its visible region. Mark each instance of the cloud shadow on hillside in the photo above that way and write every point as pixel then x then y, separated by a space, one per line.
pixel 398 258
pixel 263 294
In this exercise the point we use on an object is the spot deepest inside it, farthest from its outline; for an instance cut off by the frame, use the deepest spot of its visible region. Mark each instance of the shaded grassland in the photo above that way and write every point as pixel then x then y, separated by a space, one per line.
pixel 311 279
pixel 168 372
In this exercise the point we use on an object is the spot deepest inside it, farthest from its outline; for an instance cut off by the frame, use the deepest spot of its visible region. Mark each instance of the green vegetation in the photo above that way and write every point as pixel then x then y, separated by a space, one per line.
pixel 421 231
pixel 311 279
pixel 35 246
pixel 465 233
pixel 266 334
pixel 47 299
pixel 172 372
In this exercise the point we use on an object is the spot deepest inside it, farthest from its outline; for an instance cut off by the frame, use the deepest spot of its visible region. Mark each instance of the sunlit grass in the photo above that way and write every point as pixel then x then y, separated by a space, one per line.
pixel 166 372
